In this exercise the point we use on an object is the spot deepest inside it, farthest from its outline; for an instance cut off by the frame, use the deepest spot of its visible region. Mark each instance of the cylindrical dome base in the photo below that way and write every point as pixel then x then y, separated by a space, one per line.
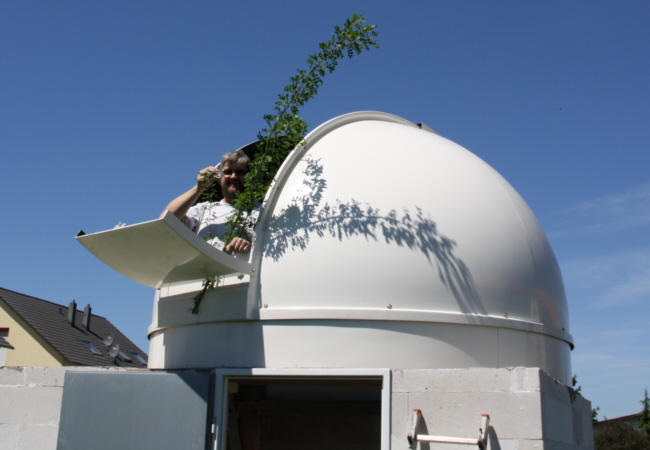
pixel 355 344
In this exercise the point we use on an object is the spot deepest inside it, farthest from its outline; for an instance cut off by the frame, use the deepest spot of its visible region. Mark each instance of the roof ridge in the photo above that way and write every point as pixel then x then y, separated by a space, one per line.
pixel 47 301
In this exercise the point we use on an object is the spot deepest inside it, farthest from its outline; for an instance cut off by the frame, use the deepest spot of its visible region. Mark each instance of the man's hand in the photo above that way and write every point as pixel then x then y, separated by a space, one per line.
pixel 206 177
pixel 238 245
pixel 181 204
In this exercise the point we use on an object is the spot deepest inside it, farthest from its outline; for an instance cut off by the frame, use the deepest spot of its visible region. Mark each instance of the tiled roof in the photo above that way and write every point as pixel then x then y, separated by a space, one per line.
pixel 631 417
pixel 50 321
pixel 4 343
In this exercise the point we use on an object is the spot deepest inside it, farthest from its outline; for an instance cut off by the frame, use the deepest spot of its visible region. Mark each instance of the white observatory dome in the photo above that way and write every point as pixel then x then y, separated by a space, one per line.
pixel 381 244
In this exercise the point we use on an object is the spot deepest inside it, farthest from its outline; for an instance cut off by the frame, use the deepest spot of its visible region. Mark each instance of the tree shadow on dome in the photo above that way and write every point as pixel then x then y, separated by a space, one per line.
pixel 294 226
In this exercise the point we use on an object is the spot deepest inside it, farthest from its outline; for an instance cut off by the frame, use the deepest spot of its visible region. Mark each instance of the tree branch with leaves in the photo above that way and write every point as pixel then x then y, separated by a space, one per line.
pixel 284 130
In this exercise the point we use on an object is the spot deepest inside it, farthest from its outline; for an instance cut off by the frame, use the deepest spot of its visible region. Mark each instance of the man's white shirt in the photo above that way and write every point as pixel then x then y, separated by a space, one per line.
pixel 210 221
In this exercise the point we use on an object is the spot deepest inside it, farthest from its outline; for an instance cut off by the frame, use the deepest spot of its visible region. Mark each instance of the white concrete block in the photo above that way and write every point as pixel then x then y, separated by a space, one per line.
pixel 555 389
pixel 452 380
pixel 525 379
pixel 580 403
pixel 474 380
pixel 409 380
pixel 44 376
pixel 531 444
pixel 558 419
pixel 8 436
pixel 12 376
pixel 38 437
pixel 513 416
pixel 400 415
pixel 583 432
pixel 399 443
pixel 30 405
pixel 499 444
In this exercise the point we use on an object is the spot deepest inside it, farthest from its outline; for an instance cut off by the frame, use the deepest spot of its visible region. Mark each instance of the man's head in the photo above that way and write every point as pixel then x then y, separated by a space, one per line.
pixel 235 166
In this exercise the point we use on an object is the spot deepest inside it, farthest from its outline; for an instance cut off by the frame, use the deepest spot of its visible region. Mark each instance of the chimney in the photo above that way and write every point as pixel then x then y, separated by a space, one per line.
pixel 86 320
pixel 72 312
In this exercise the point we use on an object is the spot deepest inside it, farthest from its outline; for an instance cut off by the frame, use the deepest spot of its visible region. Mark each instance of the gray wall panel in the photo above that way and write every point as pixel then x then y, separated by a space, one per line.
pixel 147 410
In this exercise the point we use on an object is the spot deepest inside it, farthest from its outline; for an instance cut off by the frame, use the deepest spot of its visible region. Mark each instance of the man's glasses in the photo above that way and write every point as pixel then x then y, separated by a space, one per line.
pixel 220 172
pixel 238 172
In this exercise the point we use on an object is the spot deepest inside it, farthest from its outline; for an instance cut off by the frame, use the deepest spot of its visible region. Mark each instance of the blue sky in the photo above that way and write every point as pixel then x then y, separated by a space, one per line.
pixel 109 108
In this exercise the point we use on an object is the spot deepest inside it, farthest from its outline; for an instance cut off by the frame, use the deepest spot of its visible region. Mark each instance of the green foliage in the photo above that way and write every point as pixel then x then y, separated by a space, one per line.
pixel 644 418
pixel 594 414
pixel 574 382
pixel 208 284
pixel 284 130
pixel 619 436
pixel 576 390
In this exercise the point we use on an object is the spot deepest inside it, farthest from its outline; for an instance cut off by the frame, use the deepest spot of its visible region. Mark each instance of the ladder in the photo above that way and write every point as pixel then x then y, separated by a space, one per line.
pixel 414 436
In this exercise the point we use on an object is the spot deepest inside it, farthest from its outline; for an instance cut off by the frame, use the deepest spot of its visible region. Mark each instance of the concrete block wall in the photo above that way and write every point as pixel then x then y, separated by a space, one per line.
pixel 30 406
pixel 560 405
pixel 528 409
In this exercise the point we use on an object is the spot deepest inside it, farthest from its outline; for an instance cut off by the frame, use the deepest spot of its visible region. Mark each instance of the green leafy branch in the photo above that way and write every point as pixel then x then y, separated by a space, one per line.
pixel 284 130
pixel 208 284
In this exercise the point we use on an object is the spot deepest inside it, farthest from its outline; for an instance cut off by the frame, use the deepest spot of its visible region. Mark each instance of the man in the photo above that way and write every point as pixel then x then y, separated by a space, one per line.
pixel 210 219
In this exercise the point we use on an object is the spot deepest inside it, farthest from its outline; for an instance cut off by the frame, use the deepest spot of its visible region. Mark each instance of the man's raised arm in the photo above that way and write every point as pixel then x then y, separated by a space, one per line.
pixel 181 204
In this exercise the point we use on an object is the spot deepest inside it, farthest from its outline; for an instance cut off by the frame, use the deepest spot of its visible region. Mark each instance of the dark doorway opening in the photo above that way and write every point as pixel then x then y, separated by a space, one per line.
pixel 268 413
